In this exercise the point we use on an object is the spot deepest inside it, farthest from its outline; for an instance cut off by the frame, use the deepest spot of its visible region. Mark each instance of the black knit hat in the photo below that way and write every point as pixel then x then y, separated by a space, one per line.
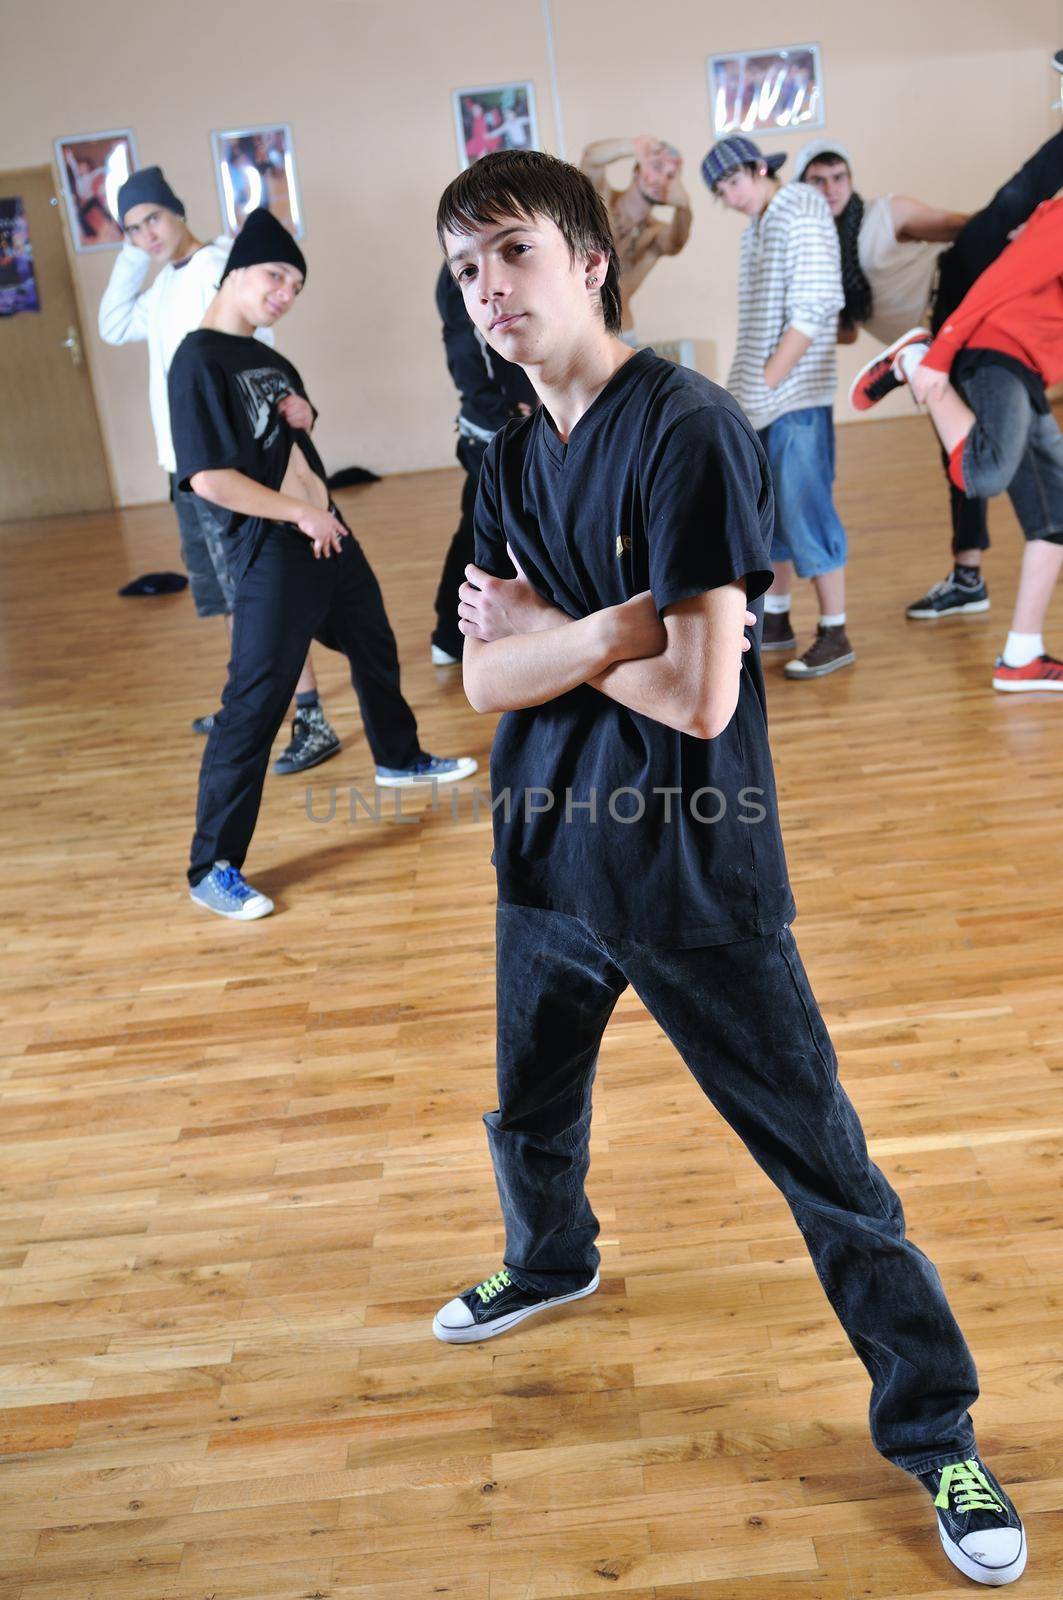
pixel 263 238
pixel 147 187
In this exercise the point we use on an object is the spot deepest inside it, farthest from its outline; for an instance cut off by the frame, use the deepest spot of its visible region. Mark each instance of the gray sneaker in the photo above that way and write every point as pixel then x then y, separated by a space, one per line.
pixel 226 892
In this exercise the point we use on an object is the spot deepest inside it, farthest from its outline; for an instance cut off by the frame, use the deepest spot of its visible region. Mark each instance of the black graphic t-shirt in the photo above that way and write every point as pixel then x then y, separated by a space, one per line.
pixel 224 391
pixel 600 812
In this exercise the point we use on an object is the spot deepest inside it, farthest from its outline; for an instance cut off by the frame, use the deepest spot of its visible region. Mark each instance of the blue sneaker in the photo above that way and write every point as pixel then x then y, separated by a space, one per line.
pixel 430 769
pixel 225 891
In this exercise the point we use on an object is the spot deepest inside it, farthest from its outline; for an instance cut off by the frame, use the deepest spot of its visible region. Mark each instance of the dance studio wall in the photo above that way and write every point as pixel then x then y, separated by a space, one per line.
pixel 939 101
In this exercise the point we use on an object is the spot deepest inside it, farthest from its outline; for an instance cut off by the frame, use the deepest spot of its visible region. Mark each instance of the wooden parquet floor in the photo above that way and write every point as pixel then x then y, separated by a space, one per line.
pixel 242 1165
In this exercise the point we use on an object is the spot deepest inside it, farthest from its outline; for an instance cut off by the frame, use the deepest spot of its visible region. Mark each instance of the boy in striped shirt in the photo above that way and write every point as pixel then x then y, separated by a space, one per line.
pixel 783 376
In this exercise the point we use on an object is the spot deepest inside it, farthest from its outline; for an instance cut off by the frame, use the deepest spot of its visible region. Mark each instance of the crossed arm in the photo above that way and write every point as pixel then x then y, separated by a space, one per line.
pixel 682 670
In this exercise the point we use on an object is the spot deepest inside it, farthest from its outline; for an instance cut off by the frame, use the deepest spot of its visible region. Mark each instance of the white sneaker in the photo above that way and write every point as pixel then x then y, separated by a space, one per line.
pixel 442 658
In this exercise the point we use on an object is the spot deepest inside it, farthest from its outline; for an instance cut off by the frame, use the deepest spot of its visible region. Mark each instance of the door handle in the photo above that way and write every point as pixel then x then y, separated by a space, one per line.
pixel 73 344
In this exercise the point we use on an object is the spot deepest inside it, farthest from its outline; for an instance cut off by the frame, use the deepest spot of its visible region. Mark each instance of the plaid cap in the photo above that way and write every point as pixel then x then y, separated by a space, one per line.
pixel 727 155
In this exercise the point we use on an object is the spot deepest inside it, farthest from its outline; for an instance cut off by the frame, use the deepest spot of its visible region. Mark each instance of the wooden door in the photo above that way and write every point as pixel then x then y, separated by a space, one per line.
pixel 51 450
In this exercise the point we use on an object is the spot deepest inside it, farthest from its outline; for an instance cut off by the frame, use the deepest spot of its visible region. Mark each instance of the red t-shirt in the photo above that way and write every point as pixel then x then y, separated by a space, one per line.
pixel 1016 306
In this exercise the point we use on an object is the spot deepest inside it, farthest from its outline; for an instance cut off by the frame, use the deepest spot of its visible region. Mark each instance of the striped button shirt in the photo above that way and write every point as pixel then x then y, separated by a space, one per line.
pixel 789 277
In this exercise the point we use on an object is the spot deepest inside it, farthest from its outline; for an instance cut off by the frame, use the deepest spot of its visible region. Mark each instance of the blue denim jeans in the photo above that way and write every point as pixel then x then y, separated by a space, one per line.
pixel 808 530
pixel 1012 447
pixel 745 1021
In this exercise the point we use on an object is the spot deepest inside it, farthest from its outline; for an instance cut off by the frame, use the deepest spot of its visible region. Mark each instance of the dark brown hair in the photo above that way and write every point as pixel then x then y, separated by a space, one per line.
pixel 754 170
pixel 527 183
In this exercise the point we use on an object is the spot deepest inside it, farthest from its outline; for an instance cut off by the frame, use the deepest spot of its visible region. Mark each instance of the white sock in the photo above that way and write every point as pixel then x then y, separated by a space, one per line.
pixel 910 358
pixel 837 621
pixel 1022 648
pixel 776 604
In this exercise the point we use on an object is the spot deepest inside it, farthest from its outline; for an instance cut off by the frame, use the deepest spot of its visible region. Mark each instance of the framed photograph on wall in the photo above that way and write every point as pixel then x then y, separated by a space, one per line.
pixel 500 117
pixel 18 282
pixel 92 169
pixel 256 167
pixel 766 91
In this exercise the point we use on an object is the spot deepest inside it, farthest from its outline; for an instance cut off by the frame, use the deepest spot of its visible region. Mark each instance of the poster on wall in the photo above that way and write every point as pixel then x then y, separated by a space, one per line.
pixel 762 91
pixel 93 167
pixel 18 284
pixel 256 167
pixel 501 117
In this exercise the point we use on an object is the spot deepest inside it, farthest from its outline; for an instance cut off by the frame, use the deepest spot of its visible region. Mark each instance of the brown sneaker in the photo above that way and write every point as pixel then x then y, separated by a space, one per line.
pixel 778 631
pixel 829 650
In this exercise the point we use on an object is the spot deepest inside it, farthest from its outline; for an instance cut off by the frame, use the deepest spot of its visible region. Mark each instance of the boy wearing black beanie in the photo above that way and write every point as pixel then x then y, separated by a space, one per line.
pixel 241 422
pixel 156 232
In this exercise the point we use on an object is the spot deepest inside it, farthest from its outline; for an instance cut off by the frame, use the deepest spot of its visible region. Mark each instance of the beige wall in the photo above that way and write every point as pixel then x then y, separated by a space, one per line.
pixel 941 101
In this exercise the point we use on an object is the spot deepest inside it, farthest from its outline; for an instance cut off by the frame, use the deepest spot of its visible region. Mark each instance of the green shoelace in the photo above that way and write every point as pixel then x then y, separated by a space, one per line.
pixel 970 1489
pixel 493 1286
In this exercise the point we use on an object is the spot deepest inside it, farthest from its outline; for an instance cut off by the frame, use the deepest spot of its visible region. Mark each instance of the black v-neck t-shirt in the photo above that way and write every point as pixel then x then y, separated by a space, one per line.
pixel 600 812
pixel 224 393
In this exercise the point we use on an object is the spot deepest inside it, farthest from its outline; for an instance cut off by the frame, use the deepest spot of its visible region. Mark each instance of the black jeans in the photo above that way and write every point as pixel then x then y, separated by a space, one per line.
pixel 448 635
pixel 285 599
pixel 976 247
pixel 745 1021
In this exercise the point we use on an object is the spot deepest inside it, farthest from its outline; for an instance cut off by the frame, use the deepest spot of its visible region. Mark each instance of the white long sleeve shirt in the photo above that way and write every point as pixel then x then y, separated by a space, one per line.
pixel 789 277
pixel 171 307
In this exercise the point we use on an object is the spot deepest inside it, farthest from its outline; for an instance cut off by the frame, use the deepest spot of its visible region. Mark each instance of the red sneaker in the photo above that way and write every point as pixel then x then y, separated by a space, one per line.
pixel 1043 672
pixel 880 376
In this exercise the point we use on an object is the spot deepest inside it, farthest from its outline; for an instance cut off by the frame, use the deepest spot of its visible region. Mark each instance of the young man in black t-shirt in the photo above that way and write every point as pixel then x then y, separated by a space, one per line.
pixel 621 532
pixel 298 569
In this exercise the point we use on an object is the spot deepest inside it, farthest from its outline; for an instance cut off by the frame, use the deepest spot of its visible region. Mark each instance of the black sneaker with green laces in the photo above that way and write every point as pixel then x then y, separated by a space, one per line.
pixel 980 1529
pixel 495 1306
